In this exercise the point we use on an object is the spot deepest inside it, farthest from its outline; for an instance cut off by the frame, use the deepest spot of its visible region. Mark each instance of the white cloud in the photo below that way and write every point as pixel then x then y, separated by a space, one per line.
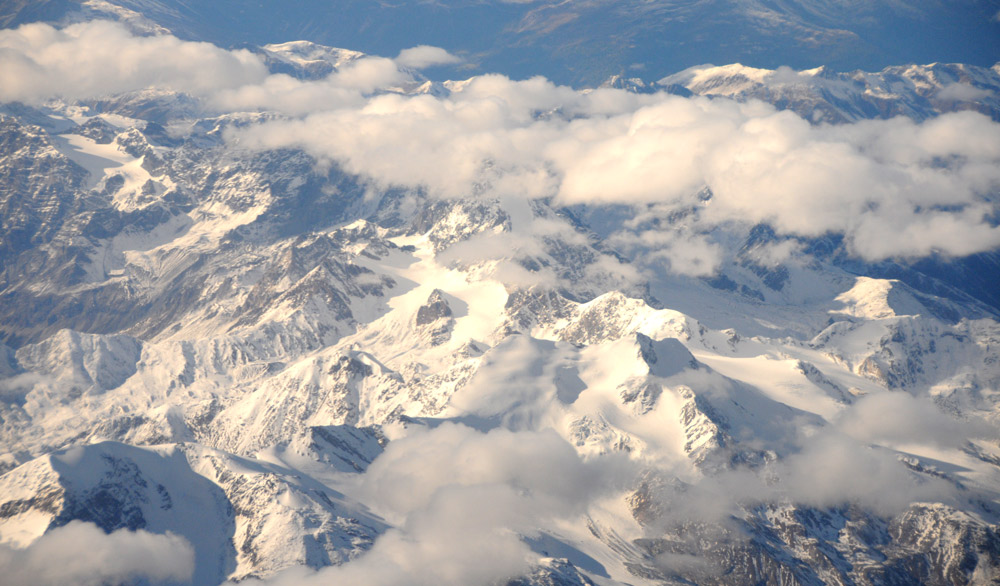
pixel 963 92
pixel 424 56
pixel 345 89
pixel 39 62
pixel 833 470
pixel 460 539
pixel 827 469
pixel 368 74
pixel 682 251
pixel 772 254
pixel 414 469
pixel 462 499
pixel 902 419
pixel 80 553
pixel 285 94
pixel 893 188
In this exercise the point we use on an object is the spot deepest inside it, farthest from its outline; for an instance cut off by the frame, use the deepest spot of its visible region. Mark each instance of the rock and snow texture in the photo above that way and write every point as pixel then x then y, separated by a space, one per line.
pixel 822 95
pixel 571 42
pixel 274 364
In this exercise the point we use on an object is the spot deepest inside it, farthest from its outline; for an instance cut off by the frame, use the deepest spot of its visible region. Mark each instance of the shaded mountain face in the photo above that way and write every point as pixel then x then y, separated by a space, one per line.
pixel 584 41
pixel 295 314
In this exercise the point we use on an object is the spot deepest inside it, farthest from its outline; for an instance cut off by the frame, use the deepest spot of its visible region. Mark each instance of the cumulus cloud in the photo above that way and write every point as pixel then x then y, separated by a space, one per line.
pixel 893 188
pixel 413 469
pixel 39 62
pixel 424 56
pixel 80 553
pixel 368 74
pixel 285 94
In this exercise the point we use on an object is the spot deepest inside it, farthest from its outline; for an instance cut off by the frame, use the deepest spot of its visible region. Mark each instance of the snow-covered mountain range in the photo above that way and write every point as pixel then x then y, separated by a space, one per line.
pixel 307 316
pixel 578 41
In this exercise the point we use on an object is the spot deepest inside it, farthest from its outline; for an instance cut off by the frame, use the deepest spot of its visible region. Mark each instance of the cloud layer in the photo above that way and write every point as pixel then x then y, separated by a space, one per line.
pixel 894 188
pixel 80 553
pixel 39 62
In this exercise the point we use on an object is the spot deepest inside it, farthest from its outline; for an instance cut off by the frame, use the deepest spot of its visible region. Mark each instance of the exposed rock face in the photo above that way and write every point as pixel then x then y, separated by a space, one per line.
pixel 436 308
pixel 436 317
pixel 790 545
